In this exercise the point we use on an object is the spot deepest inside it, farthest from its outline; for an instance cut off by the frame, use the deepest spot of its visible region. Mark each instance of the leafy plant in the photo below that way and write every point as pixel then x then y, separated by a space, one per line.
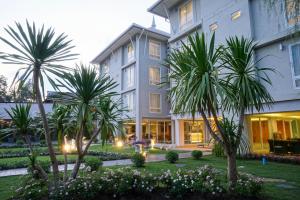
pixel 197 154
pixel 93 163
pixel 138 160
pixel 39 52
pixel 172 156
pixel 218 150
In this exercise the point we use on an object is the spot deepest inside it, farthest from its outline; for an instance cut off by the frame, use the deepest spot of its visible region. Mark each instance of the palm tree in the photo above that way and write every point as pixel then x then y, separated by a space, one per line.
pixel 90 98
pixel 246 80
pixel 210 81
pixel 21 123
pixel 38 51
pixel 23 126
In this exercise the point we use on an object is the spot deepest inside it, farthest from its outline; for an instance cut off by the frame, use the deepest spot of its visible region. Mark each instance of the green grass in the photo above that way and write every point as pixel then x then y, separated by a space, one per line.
pixel 125 149
pixel 289 173
pixel 21 161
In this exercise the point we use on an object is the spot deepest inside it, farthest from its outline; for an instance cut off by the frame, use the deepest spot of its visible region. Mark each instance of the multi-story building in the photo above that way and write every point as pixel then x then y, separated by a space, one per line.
pixel 135 61
pixel 273 28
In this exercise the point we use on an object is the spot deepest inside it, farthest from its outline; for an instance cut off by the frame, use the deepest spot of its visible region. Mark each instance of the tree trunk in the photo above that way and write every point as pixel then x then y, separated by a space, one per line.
pixel 45 124
pixel 65 167
pixel 77 166
pixel 231 169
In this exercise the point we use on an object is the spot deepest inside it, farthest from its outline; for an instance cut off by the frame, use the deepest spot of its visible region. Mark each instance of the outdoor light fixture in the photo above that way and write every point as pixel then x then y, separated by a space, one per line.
pixel 120 144
pixel 152 143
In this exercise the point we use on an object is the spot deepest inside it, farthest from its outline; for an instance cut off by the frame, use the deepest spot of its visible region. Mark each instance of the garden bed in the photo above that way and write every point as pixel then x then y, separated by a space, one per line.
pixel 124 183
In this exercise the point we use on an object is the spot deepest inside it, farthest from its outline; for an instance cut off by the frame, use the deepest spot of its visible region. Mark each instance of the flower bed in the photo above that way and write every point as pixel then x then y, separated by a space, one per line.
pixel 273 158
pixel 128 183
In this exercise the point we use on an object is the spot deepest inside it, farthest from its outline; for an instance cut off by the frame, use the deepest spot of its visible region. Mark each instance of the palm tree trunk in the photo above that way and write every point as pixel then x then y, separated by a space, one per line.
pixel 77 166
pixel 45 124
pixel 232 169
pixel 65 167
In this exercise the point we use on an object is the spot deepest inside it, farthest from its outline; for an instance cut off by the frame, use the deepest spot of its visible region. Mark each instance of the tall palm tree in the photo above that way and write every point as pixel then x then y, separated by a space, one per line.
pixel 246 80
pixel 90 97
pixel 38 51
pixel 211 81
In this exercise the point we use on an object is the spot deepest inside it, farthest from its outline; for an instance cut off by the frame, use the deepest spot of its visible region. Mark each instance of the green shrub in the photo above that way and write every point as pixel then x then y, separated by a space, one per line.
pixel 93 163
pixel 196 154
pixel 172 156
pixel 43 142
pixel 138 160
pixel 20 142
pixel 218 150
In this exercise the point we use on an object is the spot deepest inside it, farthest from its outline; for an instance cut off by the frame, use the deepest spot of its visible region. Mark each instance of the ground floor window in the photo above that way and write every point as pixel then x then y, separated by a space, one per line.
pixel 159 130
pixel 193 132
pixel 274 126
pixel 129 130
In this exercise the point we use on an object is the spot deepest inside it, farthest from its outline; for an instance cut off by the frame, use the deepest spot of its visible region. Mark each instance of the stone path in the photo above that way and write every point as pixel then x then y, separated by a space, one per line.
pixel 150 158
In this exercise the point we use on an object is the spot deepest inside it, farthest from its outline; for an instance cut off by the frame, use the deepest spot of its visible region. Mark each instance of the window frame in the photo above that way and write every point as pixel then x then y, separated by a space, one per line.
pixel 126 73
pixel 154 67
pixel 154 56
pixel 294 78
pixel 160 103
pixel 106 72
pixel 187 23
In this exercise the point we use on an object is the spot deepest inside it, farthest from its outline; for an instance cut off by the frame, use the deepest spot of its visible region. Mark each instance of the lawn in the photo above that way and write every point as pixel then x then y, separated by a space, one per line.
pixel 125 149
pixel 288 190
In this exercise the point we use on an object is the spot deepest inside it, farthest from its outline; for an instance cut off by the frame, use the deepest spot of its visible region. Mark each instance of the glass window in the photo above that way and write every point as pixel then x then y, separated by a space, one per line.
pixel 292 12
pixel 160 131
pixel 154 49
pixel 193 132
pixel 236 15
pixel 296 64
pixel 154 75
pixel 128 77
pixel 186 15
pixel 154 105
pixel 130 52
pixel 128 101
pixel 213 27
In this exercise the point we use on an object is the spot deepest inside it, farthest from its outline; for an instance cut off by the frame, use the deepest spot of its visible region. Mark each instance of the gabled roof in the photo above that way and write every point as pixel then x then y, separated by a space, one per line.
pixel 125 37
pixel 161 7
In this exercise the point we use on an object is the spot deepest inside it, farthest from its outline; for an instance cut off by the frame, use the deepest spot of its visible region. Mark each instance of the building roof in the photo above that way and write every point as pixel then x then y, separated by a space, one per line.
pixel 34 111
pixel 125 37
pixel 161 7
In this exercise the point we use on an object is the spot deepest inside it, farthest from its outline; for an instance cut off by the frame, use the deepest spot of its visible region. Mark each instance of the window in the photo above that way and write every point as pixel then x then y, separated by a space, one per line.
pixel 186 15
pixel 213 27
pixel 104 69
pixel 154 49
pixel 292 12
pixel 154 103
pixel 128 77
pixel 130 52
pixel 128 101
pixel 154 75
pixel 295 52
pixel 236 15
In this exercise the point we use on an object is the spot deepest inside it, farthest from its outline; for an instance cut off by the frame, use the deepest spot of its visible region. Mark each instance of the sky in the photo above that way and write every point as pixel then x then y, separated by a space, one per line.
pixel 91 24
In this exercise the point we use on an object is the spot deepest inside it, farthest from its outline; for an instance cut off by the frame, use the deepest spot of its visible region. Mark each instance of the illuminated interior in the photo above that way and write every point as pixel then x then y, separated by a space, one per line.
pixel 193 132
pixel 157 130
pixel 273 126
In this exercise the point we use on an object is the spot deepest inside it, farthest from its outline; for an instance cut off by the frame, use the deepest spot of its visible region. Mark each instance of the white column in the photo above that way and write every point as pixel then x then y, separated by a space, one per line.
pixel 177 132
pixel 138 128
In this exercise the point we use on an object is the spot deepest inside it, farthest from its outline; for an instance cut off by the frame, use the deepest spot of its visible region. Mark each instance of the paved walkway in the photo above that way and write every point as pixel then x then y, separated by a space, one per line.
pixel 150 158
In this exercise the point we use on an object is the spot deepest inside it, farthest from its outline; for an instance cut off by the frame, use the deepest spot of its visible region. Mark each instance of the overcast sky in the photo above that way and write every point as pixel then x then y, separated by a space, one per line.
pixel 91 24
